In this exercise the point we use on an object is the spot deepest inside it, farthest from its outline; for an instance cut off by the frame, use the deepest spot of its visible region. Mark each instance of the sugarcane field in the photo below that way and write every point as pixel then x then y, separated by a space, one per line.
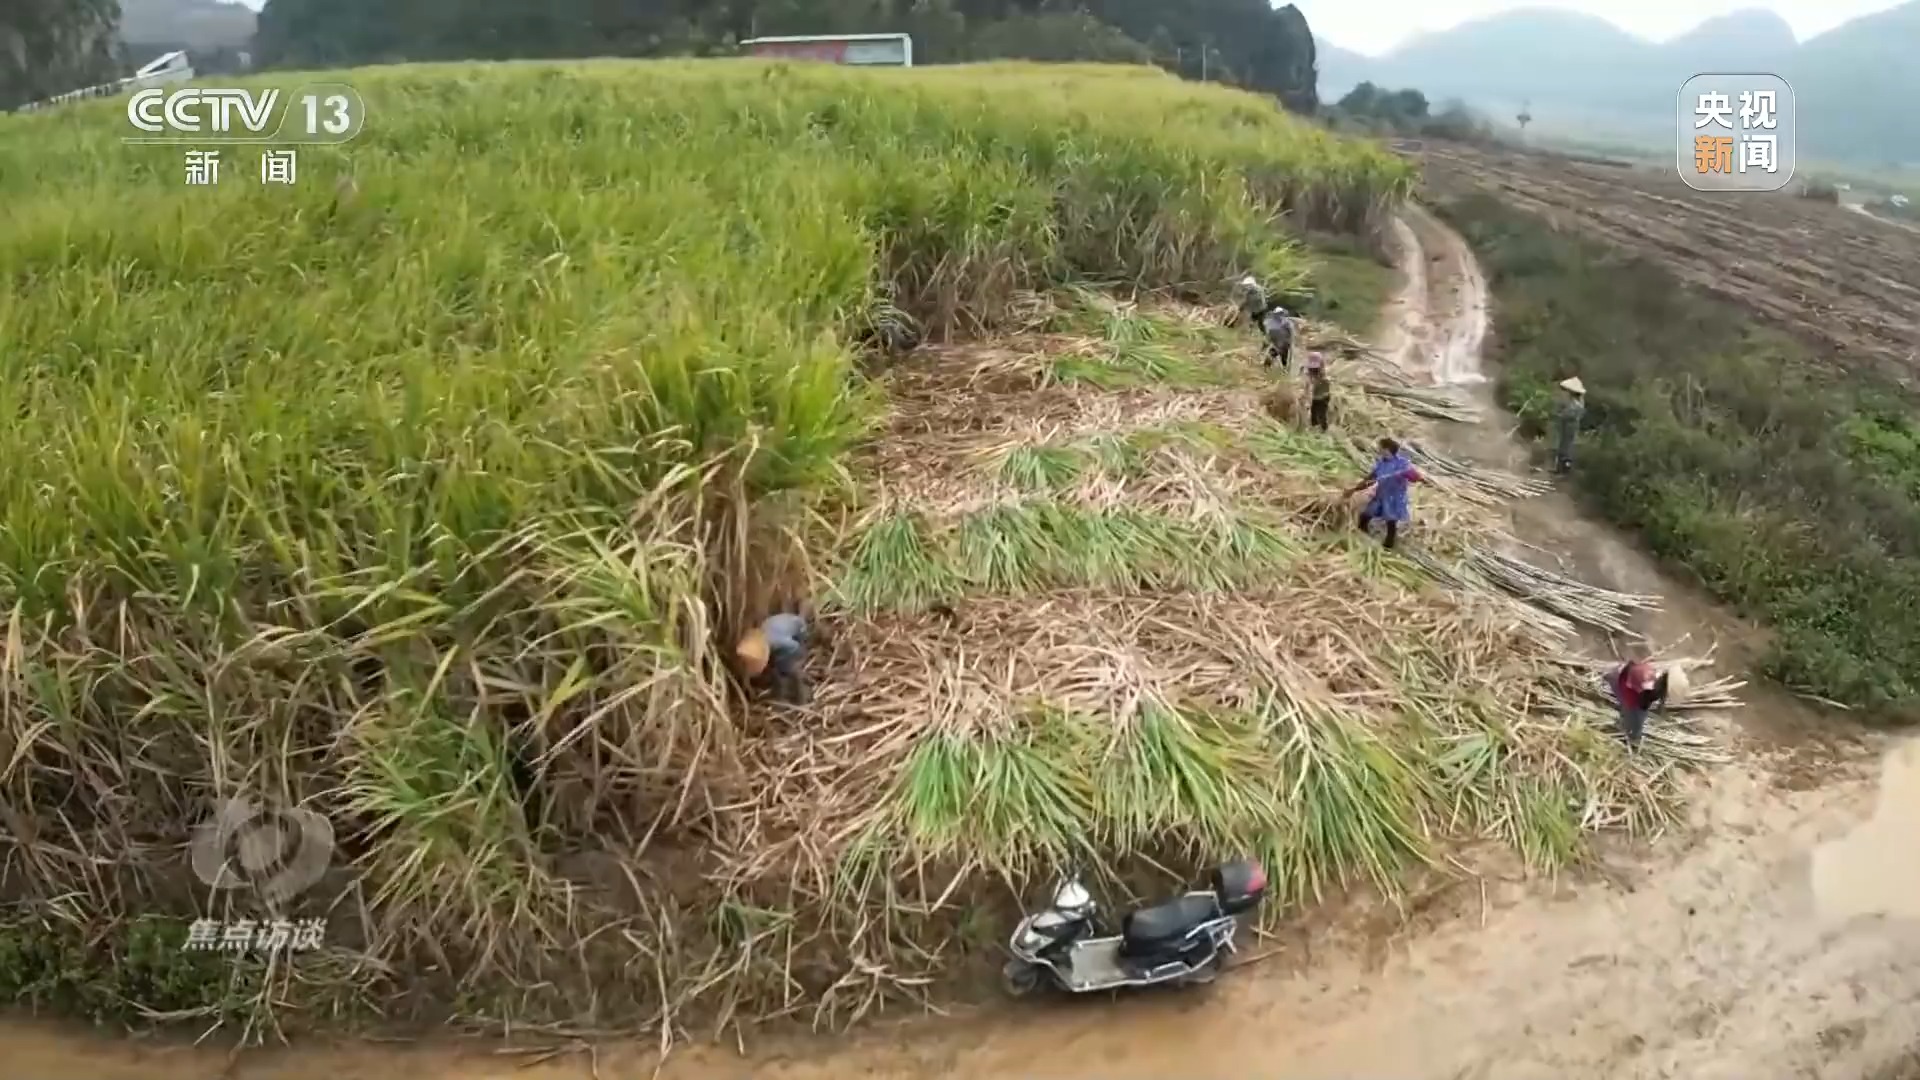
pixel 696 568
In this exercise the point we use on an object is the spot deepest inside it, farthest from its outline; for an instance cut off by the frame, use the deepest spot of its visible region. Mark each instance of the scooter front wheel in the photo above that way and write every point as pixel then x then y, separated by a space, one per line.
pixel 1020 978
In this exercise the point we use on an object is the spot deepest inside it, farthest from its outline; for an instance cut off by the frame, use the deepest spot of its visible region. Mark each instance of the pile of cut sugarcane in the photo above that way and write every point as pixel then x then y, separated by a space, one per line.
pixel 1486 486
pixel 1387 382
pixel 1567 597
pixel 1675 733
pixel 1431 402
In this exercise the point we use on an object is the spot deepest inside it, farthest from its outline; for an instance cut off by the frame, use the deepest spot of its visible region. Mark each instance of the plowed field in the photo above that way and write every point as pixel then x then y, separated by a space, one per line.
pixel 1837 279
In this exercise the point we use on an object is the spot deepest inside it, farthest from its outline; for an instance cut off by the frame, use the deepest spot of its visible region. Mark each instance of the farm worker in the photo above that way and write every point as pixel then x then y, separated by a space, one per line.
pixel 782 642
pixel 1279 327
pixel 1391 474
pixel 1253 301
pixel 1319 391
pixel 1566 423
pixel 1637 691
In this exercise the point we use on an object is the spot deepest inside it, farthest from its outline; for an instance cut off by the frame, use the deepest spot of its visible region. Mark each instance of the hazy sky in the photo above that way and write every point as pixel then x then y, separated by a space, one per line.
pixel 1374 26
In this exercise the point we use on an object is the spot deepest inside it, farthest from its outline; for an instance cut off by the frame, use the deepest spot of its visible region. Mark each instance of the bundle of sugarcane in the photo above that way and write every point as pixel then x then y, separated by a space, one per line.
pixel 1325 512
pixel 1686 692
pixel 1676 735
pixel 1669 738
pixel 1029 310
pixel 1363 357
pixel 1544 625
pixel 1491 484
pixel 1433 403
pixel 1282 403
pixel 1328 338
pixel 1562 595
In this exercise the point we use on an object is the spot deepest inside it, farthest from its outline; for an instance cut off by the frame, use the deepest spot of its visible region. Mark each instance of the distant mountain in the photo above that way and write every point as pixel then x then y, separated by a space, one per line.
pixel 1340 69
pixel 1742 35
pixel 1856 84
pixel 192 24
pixel 1579 74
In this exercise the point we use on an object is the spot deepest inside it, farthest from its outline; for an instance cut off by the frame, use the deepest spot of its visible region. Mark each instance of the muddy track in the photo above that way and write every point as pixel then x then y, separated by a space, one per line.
pixel 1704 957
pixel 1843 281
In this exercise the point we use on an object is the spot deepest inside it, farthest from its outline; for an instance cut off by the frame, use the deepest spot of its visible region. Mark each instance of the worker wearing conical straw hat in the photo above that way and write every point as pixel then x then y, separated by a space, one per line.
pixel 777 649
pixel 1566 422
pixel 1637 691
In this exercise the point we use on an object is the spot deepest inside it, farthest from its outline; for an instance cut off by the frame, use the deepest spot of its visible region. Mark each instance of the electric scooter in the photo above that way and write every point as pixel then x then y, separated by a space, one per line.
pixel 1182 941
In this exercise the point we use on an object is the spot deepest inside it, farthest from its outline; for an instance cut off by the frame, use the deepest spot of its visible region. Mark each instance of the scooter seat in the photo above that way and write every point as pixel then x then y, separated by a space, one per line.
pixel 1154 928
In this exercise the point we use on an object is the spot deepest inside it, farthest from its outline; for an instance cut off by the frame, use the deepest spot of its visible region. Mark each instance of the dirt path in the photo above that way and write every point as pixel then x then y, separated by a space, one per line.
pixel 1860 209
pixel 1453 293
pixel 1703 959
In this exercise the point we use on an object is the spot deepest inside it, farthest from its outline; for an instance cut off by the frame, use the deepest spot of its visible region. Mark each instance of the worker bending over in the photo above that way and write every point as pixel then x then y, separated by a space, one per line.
pixel 1637 691
pixel 777 648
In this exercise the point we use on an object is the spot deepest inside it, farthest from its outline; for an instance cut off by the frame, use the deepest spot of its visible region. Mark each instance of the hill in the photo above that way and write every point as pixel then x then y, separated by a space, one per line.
pixel 1246 43
pixel 1582 75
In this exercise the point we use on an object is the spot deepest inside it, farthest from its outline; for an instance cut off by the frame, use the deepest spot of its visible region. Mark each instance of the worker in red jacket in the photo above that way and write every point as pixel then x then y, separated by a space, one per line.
pixel 1638 690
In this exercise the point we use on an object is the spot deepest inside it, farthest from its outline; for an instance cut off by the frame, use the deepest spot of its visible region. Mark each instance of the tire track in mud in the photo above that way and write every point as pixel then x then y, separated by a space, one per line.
pixel 1700 958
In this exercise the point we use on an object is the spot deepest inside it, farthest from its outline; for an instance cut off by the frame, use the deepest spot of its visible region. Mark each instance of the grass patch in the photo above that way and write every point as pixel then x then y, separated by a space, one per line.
pixel 111 973
pixel 1351 286
pixel 1283 447
pixel 1324 794
pixel 1044 468
pixel 1121 365
pixel 1048 543
pixel 898 564
pixel 1791 492
pixel 1057 467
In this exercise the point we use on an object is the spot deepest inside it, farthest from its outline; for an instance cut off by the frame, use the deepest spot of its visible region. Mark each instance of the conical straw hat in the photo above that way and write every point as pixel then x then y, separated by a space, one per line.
pixel 1574 384
pixel 753 652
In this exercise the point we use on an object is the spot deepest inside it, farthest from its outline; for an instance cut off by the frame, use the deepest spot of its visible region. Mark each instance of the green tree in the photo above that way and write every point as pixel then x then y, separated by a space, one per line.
pixel 1058 37
pixel 1398 110
pixel 1244 41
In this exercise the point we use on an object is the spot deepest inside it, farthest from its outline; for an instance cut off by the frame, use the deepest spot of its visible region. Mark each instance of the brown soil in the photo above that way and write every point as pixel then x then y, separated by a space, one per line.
pixel 1720 953
pixel 1848 281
